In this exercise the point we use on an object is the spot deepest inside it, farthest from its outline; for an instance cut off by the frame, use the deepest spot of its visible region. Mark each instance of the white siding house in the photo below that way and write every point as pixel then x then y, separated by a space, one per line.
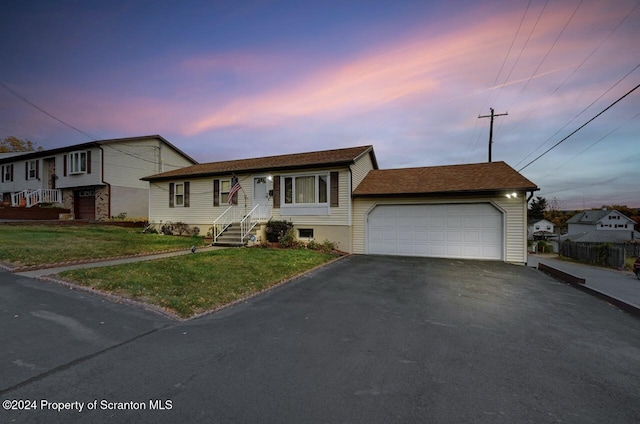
pixel 474 211
pixel 94 180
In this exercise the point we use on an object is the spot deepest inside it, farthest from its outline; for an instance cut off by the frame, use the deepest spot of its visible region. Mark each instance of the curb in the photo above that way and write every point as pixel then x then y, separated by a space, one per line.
pixel 579 283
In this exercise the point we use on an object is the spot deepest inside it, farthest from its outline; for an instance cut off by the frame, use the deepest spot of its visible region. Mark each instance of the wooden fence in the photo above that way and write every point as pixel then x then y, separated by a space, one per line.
pixel 607 254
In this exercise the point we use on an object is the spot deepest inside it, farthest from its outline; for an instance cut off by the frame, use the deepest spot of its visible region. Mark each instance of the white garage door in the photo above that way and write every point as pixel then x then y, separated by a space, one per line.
pixel 472 231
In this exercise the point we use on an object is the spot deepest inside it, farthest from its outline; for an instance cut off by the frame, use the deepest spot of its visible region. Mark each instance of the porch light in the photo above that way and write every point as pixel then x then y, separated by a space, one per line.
pixel 512 195
pixel 269 177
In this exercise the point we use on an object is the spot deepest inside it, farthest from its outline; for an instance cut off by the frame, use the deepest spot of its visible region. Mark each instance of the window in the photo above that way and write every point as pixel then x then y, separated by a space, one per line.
pixel 305 233
pixel 225 185
pixel 78 162
pixel 308 189
pixel 179 195
pixel 7 173
pixel 32 170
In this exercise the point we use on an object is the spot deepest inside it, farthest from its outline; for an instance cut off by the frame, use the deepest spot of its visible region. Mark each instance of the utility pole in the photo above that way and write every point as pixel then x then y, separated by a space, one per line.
pixel 491 127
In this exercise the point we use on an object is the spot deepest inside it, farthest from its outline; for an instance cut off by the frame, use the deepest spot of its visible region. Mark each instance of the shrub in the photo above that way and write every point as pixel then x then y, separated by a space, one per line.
pixel 276 229
pixel 288 239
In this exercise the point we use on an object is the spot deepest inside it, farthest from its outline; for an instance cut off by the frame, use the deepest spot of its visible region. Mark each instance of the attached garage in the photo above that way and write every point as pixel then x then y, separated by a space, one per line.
pixel 475 211
pixel 465 230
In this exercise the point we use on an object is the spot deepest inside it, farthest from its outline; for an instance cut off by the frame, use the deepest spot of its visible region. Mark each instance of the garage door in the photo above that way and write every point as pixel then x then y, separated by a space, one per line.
pixel 472 231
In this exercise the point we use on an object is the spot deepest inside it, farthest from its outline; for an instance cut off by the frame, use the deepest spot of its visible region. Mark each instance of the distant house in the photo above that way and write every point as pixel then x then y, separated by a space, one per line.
pixel 541 229
pixel 95 180
pixel 473 211
pixel 601 226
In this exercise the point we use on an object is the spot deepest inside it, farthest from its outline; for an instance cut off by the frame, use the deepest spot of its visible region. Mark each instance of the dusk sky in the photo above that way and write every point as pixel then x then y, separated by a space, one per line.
pixel 237 79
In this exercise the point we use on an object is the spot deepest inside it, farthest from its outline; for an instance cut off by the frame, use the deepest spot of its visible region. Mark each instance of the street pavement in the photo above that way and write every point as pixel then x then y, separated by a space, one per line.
pixel 621 285
pixel 367 339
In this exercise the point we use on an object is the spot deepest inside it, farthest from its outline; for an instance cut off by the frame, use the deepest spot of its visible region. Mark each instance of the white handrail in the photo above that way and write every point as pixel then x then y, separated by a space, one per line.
pixel 230 215
pixel 35 197
pixel 259 213
pixel 16 198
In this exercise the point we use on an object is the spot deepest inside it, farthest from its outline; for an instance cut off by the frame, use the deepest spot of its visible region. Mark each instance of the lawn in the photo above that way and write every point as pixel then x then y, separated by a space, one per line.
pixel 39 244
pixel 188 285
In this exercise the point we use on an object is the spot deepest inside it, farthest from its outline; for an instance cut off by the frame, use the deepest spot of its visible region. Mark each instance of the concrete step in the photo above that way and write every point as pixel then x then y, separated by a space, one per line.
pixel 231 237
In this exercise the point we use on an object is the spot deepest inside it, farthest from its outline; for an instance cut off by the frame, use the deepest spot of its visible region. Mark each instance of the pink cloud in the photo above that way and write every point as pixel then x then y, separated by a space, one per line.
pixel 416 68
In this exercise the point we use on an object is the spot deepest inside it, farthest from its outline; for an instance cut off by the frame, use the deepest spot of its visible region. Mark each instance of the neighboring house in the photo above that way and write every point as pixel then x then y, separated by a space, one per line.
pixel 601 226
pixel 541 229
pixel 599 220
pixel 95 180
pixel 462 211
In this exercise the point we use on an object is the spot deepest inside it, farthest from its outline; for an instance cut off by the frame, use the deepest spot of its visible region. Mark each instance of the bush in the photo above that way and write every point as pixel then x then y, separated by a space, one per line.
pixel 288 239
pixel 276 229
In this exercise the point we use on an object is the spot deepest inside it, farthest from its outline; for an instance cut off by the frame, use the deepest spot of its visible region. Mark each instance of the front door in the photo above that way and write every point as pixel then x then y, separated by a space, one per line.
pixel 50 172
pixel 260 192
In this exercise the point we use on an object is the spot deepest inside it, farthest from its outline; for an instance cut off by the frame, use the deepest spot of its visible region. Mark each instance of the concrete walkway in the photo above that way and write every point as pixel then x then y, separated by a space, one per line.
pixel 620 285
pixel 54 270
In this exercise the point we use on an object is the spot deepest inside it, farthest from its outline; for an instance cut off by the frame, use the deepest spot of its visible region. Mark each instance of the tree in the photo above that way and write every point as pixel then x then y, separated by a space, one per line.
pixel 537 208
pixel 14 144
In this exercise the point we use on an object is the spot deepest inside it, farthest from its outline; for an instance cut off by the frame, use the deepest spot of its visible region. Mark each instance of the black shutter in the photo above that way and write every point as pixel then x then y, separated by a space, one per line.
pixel 276 192
pixel 37 169
pixel 171 194
pixel 216 192
pixel 64 165
pixel 186 194
pixel 11 173
pixel 88 161
pixel 2 178
pixel 26 171
pixel 334 189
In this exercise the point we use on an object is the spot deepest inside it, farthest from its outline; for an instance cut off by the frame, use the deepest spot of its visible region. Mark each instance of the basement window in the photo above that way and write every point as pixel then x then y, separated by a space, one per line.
pixel 305 233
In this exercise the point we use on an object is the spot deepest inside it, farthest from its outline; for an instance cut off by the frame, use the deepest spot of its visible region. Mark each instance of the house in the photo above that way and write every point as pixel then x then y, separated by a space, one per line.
pixel 541 229
pixel 95 180
pixel 461 211
pixel 601 226
pixel 599 220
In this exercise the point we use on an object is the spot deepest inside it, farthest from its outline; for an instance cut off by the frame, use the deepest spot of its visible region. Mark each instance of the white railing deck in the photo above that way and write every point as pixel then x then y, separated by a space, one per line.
pixel 36 197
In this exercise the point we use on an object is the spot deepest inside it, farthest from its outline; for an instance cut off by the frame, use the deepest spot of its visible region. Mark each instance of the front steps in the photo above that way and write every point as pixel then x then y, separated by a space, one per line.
pixel 231 237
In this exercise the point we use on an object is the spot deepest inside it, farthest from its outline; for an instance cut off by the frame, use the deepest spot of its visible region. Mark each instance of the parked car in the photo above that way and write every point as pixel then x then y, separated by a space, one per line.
pixel 636 267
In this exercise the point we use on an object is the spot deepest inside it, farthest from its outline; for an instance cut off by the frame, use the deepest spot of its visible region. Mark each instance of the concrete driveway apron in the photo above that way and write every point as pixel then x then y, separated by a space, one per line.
pixel 369 340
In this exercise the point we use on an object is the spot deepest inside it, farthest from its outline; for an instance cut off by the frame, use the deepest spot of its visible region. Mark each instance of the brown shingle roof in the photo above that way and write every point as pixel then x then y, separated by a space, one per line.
pixel 270 163
pixel 479 177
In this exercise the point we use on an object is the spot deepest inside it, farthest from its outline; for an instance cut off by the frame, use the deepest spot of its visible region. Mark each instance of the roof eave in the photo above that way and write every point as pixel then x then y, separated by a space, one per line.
pixel 456 193
pixel 247 171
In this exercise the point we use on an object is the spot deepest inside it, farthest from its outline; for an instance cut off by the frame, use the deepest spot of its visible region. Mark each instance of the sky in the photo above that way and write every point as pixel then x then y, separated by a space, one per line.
pixel 238 79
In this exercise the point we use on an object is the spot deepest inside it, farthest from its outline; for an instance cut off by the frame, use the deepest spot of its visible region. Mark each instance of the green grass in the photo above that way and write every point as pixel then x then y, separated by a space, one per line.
pixel 188 285
pixel 39 244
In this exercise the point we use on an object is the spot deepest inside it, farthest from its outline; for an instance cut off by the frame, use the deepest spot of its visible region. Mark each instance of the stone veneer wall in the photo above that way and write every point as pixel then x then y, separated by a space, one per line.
pixel 101 199
pixel 102 203
pixel 67 198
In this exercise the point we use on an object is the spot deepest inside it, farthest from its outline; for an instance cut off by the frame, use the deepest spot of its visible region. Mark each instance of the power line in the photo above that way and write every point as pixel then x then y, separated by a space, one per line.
pixel 580 127
pixel 580 113
pixel 30 103
pixel 499 72
pixel 548 51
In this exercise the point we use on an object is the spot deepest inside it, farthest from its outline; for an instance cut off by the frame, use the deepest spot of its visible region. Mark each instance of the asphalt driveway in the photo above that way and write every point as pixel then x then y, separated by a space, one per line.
pixel 363 340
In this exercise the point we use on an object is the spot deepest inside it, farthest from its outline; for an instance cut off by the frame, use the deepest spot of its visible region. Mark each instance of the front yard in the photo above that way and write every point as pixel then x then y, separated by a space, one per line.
pixel 183 285
pixel 28 245
pixel 188 285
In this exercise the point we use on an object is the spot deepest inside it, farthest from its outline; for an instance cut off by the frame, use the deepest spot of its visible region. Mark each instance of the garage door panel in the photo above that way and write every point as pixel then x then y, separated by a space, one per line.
pixel 447 230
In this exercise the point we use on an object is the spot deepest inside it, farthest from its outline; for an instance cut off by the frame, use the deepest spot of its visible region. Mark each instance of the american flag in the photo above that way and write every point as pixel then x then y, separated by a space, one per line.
pixel 235 187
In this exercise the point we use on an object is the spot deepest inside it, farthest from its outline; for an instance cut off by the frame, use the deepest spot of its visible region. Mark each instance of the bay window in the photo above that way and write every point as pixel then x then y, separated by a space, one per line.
pixel 306 190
